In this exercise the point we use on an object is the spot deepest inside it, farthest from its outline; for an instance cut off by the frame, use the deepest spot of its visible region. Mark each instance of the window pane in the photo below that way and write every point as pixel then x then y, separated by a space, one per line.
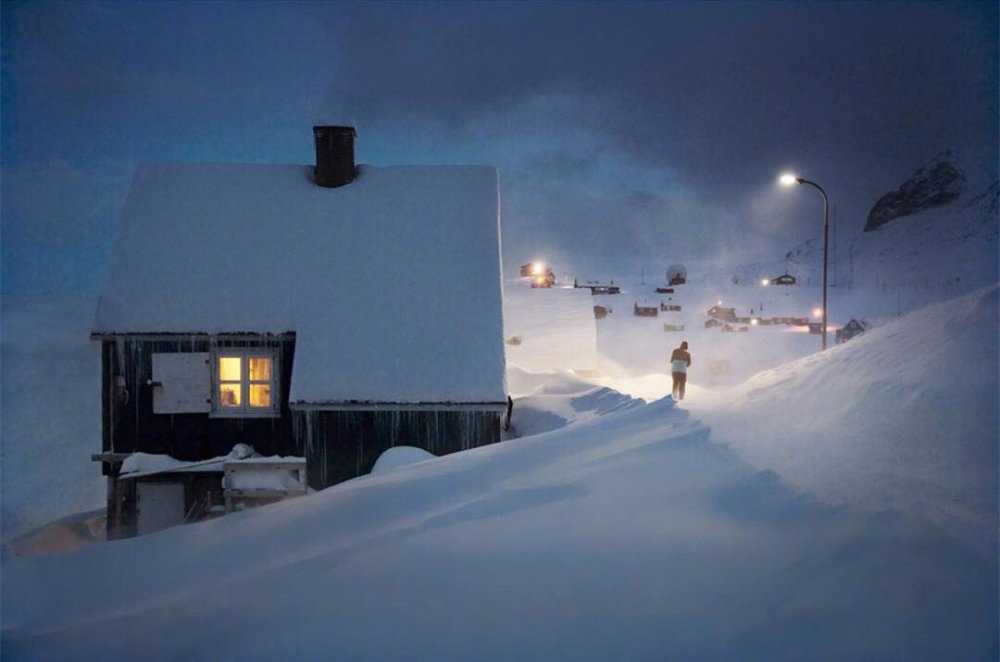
pixel 229 395
pixel 260 368
pixel 260 395
pixel 230 369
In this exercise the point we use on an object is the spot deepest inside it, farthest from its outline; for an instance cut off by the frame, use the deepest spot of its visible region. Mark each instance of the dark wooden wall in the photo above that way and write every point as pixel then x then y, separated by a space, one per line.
pixel 129 424
pixel 340 445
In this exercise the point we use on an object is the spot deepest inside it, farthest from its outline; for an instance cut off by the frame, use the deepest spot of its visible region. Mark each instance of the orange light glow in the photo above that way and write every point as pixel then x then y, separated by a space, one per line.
pixel 230 368
pixel 260 395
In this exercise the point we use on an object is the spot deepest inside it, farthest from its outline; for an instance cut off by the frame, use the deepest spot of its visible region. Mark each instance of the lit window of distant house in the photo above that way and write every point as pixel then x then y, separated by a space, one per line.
pixel 246 383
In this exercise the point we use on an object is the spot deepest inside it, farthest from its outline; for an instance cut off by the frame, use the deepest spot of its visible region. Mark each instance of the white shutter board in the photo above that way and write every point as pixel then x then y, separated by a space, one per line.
pixel 182 383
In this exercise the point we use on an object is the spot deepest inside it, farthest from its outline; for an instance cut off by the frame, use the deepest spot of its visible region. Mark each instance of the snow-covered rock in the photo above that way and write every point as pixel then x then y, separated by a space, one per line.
pixel 398 457
pixel 938 182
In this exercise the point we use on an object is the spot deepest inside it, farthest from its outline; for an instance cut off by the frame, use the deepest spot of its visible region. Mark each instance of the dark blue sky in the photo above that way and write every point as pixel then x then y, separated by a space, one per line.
pixel 649 131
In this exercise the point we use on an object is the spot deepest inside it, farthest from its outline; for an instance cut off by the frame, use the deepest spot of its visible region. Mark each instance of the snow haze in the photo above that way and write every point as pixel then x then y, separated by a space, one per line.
pixel 797 505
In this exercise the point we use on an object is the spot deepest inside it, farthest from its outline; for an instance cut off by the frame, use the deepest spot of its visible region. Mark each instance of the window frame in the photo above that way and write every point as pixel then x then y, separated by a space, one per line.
pixel 245 410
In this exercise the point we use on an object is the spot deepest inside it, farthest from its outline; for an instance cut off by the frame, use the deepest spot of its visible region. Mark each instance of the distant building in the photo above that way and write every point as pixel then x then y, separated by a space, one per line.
pixel 677 274
pixel 644 311
pixel 784 279
pixel 720 313
pixel 540 275
pixel 851 329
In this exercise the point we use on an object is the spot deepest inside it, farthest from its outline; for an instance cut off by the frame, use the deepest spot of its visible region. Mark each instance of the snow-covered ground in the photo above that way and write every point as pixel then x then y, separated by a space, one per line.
pixel 50 393
pixel 840 505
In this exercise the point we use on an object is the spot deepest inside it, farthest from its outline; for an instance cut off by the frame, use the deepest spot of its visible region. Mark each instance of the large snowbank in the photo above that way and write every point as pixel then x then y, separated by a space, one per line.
pixel 903 417
pixel 629 536
pixel 549 328
pixel 51 412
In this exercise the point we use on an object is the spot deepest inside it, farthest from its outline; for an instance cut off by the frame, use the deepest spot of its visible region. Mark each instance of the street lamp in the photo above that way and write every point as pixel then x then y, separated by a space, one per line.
pixel 788 180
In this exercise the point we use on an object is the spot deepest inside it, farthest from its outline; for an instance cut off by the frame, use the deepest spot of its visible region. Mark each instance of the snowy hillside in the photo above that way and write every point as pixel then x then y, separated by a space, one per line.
pixel 904 417
pixel 933 239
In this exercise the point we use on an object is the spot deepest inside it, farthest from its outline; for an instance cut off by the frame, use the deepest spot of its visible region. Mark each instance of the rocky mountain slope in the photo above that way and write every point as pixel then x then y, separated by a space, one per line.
pixel 937 183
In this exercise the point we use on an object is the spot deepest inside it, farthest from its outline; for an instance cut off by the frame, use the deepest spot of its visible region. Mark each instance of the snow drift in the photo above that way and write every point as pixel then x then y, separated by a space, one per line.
pixel 630 536
pixel 903 417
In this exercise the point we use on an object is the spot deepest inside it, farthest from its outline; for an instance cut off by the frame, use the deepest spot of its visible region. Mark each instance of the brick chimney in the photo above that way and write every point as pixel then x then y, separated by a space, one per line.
pixel 334 155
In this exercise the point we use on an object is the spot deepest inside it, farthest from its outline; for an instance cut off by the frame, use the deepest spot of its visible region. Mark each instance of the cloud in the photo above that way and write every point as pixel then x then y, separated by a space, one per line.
pixel 620 130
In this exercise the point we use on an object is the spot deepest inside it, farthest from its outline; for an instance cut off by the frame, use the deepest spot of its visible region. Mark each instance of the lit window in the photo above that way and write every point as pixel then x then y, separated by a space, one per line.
pixel 245 382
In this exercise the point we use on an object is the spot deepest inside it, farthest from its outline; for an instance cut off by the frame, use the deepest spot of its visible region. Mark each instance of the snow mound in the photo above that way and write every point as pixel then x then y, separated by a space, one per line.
pixel 51 419
pixel 620 537
pixel 399 457
pixel 883 421
pixel 549 328
pixel 549 400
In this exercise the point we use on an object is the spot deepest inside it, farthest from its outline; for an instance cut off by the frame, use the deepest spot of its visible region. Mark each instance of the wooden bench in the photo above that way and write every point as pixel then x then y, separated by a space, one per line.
pixel 249 480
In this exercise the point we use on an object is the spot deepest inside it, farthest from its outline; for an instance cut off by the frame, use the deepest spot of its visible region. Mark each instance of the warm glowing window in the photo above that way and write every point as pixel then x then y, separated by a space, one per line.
pixel 245 382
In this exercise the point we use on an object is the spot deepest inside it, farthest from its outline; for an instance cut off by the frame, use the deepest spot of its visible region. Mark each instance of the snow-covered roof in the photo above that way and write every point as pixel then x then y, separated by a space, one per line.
pixel 391 283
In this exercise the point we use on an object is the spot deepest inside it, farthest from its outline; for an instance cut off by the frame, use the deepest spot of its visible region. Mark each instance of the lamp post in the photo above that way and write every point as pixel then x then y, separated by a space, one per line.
pixel 788 180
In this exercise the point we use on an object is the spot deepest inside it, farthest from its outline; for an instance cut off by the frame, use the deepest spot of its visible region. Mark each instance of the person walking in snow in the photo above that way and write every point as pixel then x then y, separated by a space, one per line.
pixel 680 361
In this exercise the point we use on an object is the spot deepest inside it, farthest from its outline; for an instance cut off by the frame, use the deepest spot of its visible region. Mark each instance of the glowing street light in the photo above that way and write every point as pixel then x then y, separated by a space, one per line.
pixel 790 179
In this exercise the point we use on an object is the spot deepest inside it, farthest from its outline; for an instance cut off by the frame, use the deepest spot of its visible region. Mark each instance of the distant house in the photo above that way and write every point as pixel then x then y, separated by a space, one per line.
pixel 851 329
pixel 540 275
pixel 596 288
pixel 677 274
pixel 720 313
pixel 784 279
pixel 644 311
pixel 272 306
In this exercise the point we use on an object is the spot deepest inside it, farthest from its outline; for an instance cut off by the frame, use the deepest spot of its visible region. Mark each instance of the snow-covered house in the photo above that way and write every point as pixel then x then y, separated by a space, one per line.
pixel 276 306
pixel 849 330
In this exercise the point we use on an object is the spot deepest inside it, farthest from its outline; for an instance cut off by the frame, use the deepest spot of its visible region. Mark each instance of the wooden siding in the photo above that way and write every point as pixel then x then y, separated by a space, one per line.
pixel 340 445
pixel 129 424
pixel 201 491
